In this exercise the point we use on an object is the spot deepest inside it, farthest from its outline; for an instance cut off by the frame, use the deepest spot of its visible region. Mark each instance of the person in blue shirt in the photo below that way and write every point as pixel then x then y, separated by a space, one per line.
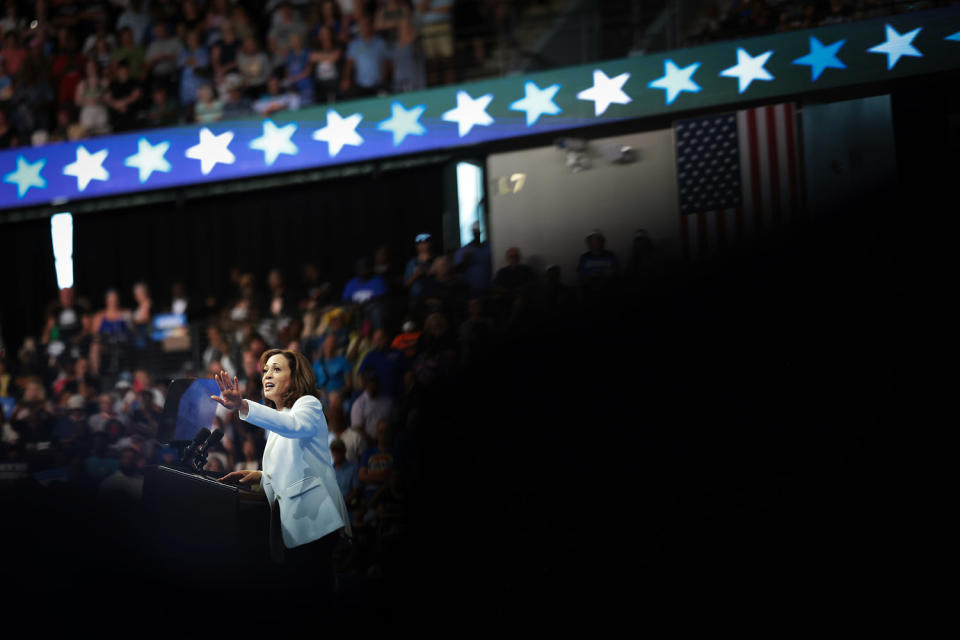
pixel 368 57
pixel 474 262
pixel 332 369
pixel 389 363
pixel 299 70
pixel 365 286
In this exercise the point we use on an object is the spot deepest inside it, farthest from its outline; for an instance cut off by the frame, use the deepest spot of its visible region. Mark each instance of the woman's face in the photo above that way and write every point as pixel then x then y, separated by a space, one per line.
pixel 276 378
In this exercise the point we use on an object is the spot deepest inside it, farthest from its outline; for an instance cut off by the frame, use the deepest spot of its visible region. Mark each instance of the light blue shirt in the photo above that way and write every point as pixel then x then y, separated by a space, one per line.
pixel 368 57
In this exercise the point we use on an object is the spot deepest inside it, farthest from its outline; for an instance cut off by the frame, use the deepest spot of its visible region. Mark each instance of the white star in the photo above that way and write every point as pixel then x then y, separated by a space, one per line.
pixel 87 167
pixel 605 91
pixel 339 131
pixel 275 140
pixel 27 175
pixel 212 149
pixel 675 80
pixel 469 112
pixel 149 158
pixel 403 122
pixel 897 45
pixel 536 102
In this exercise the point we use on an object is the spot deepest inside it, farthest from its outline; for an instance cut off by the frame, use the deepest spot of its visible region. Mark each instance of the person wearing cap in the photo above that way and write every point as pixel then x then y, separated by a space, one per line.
pixel 597 265
pixel 418 267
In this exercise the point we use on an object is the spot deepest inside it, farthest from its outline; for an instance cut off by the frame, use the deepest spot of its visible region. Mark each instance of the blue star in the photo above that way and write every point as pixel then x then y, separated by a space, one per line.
pixel 403 122
pixel 821 57
pixel 88 166
pixel 149 158
pixel 275 140
pixel 675 80
pixel 536 102
pixel 469 112
pixel 897 45
pixel 748 69
pixel 955 36
pixel 27 175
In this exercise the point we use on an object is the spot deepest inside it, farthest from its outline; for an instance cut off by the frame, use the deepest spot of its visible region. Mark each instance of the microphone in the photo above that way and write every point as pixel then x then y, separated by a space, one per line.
pixel 200 458
pixel 192 448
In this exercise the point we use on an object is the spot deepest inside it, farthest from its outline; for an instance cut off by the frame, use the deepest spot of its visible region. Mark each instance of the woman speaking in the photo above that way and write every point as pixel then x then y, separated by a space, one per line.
pixel 307 510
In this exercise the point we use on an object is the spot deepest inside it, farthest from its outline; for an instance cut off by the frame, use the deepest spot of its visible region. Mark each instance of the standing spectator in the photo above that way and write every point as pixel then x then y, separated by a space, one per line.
pixel 298 70
pixel 436 20
pixel 128 51
pixel 241 23
pixel 387 19
pixel 91 98
pixel 474 262
pixel 367 59
pixel 365 285
pixel 142 314
pixel 102 51
pixel 254 67
pixel 418 266
pixel 33 98
pixel 67 69
pixel 442 291
pixel 111 330
pixel 370 407
pixel 208 108
pixel 123 94
pixel 135 18
pixel 407 59
pixel 514 278
pixel 161 58
pixel 331 17
pixel 194 66
pixel 224 55
pixel 192 20
pixel 597 266
pixel 273 99
pixel 13 53
pixel 286 22
pixel 326 57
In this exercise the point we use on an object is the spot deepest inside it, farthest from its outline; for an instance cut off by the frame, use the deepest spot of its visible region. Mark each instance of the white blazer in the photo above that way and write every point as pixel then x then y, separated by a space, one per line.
pixel 298 470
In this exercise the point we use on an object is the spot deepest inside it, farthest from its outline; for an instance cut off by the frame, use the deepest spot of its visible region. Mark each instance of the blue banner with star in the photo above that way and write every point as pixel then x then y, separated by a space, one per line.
pixel 681 81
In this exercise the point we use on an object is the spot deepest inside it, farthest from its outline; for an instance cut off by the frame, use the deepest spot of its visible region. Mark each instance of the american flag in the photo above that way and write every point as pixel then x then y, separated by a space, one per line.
pixel 738 174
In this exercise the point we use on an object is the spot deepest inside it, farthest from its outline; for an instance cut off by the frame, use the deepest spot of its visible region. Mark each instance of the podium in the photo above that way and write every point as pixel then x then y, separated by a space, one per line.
pixel 189 515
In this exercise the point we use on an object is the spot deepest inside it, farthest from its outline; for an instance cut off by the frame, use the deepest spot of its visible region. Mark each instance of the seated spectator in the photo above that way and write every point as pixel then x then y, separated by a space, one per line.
pixel 91 98
pixel 376 470
pixel 13 53
pixel 163 111
pixel 436 29
pixel 208 108
pixel 332 369
pixel 476 333
pixel 346 471
pixel 389 364
pixel 73 423
pixel 99 462
pixel 67 69
pixel 123 96
pixel 125 485
pixel 326 57
pixel 274 99
pixel 161 57
pixel 218 350
pixel 407 62
pixel 101 31
pixel 254 68
pixel 368 62
pixel 336 411
pixel 406 340
pixel 102 51
pixel 32 417
pixel 194 64
pixel 514 278
pixel 298 70
pixel 107 403
pixel 370 407
pixel 442 291
pixel 235 103
pixel 130 52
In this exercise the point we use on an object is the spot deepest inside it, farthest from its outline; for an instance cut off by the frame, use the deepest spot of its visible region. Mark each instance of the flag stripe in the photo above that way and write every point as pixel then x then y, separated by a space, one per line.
pixel 773 164
pixel 791 146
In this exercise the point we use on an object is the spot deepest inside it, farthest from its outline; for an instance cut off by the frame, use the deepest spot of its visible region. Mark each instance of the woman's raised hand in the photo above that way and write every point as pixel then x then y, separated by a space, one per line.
pixel 229 392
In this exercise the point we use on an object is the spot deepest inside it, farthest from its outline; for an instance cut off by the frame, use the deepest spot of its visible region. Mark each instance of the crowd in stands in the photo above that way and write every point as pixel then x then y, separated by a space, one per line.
pixel 731 19
pixel 71 69
pixel 82 401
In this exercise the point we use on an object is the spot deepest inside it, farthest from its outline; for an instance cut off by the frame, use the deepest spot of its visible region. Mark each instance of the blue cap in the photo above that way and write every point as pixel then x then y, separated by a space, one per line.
pixel 422 237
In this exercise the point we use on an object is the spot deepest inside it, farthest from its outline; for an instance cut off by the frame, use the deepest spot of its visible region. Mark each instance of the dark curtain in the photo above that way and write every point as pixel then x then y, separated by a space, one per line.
pixel 330 223
pixel 29 281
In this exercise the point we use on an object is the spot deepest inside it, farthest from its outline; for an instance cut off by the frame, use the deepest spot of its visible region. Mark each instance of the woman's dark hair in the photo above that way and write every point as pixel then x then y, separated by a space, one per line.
pixel 302 380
